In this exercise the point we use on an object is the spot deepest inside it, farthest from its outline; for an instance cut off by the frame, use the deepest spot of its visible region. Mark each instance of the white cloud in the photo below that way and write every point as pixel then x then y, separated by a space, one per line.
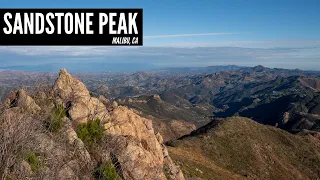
pixel 187 35
pixel 307 54
pixel 246 44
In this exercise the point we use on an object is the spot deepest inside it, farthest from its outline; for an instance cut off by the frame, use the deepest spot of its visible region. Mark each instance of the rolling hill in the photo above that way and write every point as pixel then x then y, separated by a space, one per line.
pixel 239 148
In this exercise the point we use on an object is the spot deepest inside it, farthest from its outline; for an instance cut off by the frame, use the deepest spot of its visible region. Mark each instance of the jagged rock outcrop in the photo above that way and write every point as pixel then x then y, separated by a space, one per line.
pixel 76 142
pixel 139 151
pixel 133 144
pixel 65 154
pixel 22 100
pixel 77 99
pixel 104 100
pixel 170 168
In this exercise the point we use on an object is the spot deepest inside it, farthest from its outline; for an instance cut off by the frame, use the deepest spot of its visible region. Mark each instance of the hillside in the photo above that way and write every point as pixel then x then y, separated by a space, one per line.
pixel 62 132
pixel 239 148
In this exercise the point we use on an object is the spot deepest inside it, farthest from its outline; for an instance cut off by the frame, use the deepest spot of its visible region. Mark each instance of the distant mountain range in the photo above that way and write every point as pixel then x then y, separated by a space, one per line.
pixel 117 67
pixel 278 97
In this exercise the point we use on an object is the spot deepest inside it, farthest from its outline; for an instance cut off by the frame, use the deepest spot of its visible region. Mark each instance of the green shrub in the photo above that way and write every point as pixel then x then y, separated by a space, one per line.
pixel 91 132
pixel 34 161
pixel 106 171
pixel 56 118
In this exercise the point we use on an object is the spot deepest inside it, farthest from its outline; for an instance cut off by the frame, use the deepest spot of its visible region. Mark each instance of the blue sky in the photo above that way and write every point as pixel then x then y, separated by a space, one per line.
pixel 282 33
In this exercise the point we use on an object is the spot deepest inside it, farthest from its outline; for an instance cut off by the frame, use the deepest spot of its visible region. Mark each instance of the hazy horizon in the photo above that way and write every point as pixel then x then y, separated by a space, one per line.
pixel 282 34
pixel 114 68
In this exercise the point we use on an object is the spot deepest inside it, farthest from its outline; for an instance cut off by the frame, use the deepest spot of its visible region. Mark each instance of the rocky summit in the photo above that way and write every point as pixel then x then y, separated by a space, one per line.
pixel 77 99
pixel 63 142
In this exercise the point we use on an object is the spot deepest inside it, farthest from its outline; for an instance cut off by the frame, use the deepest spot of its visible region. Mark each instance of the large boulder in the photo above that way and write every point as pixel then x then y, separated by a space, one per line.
pixel 75 96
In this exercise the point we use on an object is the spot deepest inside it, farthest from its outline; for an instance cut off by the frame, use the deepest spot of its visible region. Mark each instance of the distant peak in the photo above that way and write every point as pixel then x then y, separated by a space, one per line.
pixel 259 67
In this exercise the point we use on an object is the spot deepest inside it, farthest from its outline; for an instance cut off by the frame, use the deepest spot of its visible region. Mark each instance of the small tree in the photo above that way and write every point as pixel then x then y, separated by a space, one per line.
pixel 34 162
pixel 105 171
pixel 91 132
pixel 55 122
